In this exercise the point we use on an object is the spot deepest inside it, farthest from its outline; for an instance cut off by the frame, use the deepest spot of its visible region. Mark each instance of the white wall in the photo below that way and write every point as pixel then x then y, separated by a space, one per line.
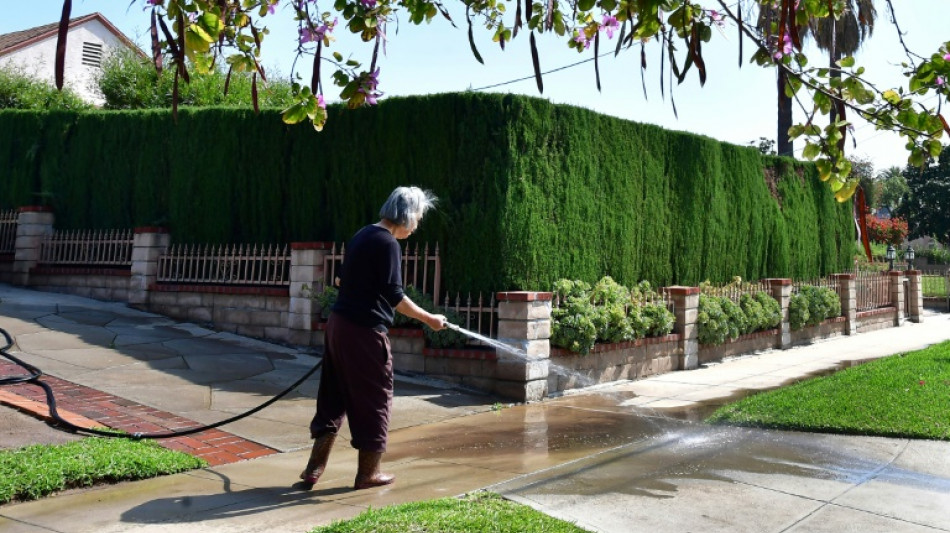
pixel 39 59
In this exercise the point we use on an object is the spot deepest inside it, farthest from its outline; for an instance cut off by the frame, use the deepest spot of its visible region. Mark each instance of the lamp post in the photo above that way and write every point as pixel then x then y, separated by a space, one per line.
pixel 909 255
pixel 890 255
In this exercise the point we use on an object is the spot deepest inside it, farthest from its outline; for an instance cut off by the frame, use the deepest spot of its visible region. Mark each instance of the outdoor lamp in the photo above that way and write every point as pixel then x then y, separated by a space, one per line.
pixel 890 255
pixel 909 255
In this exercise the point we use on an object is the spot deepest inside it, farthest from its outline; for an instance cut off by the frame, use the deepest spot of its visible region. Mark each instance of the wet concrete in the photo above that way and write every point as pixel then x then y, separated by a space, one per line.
pixel 626 457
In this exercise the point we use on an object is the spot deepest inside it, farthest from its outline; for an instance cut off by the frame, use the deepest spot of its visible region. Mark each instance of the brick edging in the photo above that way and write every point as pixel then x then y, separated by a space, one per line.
pixel 875 312
pixel 213 445
pixel 461 353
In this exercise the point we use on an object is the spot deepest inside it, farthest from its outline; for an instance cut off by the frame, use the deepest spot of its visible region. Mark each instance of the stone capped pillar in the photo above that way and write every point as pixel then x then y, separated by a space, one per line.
pixel 524 322
pixel 915 298
pixel 686 310
pixel 34 223
pixel 781 290
pixel 848 293
pixel 897 295
pixel 148 244
pixel 306 270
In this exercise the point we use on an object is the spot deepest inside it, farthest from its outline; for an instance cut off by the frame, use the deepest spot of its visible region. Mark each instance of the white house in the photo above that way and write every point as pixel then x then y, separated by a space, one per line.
pixel 89 39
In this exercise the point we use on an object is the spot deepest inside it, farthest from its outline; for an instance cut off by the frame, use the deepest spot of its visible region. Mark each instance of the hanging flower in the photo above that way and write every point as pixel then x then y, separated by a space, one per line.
pixel 786 47
pixel 609 25
pixel 368 87
pixel 582 39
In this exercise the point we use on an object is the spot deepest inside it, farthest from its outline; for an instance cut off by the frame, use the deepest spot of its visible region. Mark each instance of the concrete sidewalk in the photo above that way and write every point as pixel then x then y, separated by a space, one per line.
pixel 625 457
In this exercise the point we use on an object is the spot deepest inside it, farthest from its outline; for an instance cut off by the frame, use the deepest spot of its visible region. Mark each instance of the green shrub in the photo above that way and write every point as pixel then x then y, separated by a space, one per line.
pixel 812 305
pixel 129 81
pixel 711 321
pixel 798 311
pixel 607 312
pixel 19 91
pixel 761 310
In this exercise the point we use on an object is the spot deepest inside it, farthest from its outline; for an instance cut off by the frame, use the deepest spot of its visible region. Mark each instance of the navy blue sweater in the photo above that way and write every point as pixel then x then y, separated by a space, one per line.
pixel 370 279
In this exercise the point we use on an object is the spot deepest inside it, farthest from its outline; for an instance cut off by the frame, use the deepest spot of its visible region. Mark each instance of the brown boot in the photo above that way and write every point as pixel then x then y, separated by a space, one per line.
pixel 368 474
pixel 318 458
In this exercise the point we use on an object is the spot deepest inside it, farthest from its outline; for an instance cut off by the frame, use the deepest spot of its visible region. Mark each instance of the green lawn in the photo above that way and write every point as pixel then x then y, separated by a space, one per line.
pixel 475 513
pixel 31 472
pixel 905 395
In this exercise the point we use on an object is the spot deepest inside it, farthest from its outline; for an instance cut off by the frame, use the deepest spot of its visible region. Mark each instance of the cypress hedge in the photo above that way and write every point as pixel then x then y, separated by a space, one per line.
pixel 530 192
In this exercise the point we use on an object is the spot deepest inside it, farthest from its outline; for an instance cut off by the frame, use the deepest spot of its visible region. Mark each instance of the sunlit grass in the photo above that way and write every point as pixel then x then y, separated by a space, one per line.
pixel 905 395
pixel 478 512
pixel 31 472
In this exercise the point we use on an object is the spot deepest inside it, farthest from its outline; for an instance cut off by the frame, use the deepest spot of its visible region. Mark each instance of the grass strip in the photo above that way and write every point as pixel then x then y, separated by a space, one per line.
pixel 904 395
pixel 476 512
pixel 31 472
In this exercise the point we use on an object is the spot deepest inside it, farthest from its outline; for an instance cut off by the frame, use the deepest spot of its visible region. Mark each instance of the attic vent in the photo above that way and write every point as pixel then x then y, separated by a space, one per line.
pixel 92 54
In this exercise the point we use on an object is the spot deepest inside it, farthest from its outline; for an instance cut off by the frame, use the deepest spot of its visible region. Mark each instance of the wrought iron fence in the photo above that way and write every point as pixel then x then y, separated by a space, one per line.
pixel 8 221
pixel 478 313
pixel 421 269
pixel 873 290
pixel 228 264
pixel 111 248
pixel 824 283
pixel 735 290
pixel 935 283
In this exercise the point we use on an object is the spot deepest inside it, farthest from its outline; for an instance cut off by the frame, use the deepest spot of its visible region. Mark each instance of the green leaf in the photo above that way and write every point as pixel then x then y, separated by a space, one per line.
pixel 847 62
pixel 811 151
pixel 584 5
pixel 294 113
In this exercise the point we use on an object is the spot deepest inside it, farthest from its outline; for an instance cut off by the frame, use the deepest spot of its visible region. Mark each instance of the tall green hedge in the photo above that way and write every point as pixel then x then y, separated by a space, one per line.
pixel 530 192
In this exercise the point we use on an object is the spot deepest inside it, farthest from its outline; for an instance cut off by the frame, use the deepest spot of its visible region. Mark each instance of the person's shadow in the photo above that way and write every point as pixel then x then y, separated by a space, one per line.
pixel 226 504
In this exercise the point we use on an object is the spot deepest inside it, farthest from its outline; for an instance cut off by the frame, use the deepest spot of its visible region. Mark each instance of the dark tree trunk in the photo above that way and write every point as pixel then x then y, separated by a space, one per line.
pixel 783 142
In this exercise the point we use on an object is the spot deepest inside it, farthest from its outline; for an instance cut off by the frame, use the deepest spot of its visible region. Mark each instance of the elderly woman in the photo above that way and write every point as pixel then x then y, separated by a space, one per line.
pixel 357 379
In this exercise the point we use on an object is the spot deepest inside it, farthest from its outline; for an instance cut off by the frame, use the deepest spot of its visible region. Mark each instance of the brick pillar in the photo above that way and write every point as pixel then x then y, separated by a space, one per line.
pixel 916 296
pixel 148 244
pixel 524 322
pixel 34 223
pixel 848 293
pixel 686 309
pixel 306 270
pixel 781 290
pixel 897 295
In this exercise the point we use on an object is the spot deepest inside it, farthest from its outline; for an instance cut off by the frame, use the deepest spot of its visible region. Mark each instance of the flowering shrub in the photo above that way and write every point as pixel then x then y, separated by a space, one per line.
pixel 889 231
pixel 607 312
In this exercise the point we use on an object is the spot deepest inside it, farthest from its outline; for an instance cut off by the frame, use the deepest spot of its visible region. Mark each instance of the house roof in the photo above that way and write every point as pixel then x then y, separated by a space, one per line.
pixel 11 42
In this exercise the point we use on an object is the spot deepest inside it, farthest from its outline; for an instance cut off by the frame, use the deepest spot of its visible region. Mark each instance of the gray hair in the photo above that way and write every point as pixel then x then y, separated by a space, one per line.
pixel 406 205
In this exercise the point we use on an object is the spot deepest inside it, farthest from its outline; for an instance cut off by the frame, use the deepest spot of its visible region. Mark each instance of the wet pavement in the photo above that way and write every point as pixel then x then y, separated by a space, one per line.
pixel 626 457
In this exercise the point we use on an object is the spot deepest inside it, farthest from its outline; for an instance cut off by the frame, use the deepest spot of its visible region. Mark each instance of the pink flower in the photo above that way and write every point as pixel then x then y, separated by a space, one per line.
pixel 368 87
pixel 316 34
pixel 786 47
pixel 946 57
pixel 940 81
pixel 716 17
pixel 368 4
pixel 609 25
pixel 921 382
pixel 582 39
pixel 321 103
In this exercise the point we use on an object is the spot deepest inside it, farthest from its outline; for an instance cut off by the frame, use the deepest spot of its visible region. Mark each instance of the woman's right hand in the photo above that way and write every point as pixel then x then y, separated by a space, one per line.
pixel 436 322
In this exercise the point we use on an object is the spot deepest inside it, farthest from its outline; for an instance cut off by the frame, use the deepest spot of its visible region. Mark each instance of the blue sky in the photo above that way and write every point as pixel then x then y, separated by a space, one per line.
pixel 736 105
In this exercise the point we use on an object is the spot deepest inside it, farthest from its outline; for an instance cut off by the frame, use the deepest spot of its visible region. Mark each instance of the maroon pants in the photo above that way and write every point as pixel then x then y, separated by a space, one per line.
pixel 356 382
